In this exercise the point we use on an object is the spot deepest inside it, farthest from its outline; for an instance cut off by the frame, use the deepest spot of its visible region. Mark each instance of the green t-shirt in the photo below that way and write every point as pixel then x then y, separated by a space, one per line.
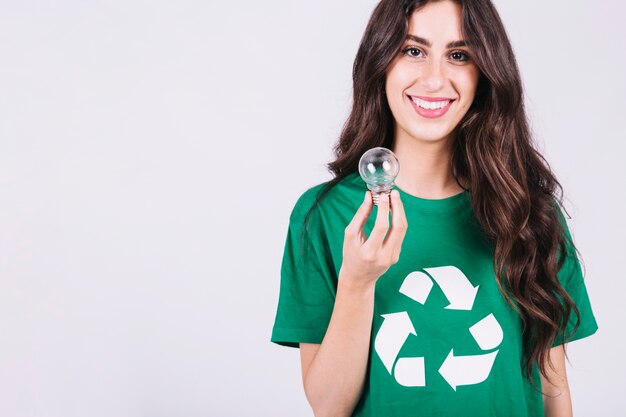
pixel 444 341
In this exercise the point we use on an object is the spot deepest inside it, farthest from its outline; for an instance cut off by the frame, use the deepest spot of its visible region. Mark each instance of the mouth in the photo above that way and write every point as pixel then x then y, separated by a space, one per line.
pixel 430 109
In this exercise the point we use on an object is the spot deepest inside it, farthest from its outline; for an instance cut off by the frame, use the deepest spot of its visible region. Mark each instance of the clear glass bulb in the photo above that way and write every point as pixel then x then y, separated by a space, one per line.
pixel 379 168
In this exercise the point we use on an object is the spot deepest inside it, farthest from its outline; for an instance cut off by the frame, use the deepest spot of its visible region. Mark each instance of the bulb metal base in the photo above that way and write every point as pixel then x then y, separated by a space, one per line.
pixel 376 195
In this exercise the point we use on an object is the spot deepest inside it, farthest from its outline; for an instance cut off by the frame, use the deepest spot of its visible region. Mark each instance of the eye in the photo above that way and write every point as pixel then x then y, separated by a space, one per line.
pixel 411 51
pixel 459 56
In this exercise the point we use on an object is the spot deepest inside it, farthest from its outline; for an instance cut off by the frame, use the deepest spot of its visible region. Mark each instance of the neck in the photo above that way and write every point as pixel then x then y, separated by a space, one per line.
pixel 425 168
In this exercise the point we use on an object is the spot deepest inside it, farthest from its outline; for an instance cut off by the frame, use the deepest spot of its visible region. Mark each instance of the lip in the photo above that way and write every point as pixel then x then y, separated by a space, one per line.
pixel 431 114
pixel 432 98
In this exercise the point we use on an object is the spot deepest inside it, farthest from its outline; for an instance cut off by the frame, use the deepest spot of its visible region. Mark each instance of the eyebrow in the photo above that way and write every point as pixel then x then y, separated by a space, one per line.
pixel 454 44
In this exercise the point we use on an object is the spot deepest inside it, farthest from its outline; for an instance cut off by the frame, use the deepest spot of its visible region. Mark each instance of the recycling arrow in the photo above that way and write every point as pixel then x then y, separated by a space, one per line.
pixel 466 370
pixel 455 286
pixel 410 372
pixel 392 334
pixel 487 332
pixel 417 286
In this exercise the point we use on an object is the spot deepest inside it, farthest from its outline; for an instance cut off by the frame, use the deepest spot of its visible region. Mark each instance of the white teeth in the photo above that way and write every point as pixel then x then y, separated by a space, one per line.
pixel 430 105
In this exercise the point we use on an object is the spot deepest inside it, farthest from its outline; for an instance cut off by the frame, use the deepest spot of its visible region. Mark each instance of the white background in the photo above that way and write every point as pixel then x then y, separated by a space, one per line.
pixel 151 153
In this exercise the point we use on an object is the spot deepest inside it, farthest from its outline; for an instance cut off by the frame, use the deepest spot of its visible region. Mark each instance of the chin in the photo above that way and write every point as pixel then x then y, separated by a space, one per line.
pixel 430 137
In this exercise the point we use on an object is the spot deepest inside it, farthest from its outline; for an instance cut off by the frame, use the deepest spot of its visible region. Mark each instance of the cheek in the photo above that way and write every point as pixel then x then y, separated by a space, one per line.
pixel 466 87
pixel 398 78
pixel 469 81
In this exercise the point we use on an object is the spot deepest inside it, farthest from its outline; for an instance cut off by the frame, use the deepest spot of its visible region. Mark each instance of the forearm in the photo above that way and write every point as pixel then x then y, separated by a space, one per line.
pixel 559 405
pixel 335 378
pixel 557 401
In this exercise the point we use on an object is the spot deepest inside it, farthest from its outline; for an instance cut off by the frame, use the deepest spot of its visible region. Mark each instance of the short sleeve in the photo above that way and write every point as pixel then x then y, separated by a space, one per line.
pixel 572 280
pixel 307 282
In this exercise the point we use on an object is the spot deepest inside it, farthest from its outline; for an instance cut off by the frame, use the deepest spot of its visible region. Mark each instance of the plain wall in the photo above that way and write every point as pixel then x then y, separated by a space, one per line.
pixel 151 153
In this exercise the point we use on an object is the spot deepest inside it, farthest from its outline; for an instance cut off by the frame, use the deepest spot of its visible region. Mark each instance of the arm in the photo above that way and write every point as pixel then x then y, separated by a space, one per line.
pixel 556 400
pixel 333 373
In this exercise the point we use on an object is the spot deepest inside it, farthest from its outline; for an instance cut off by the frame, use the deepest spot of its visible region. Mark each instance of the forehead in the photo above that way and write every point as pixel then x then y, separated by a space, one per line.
pixel 437 21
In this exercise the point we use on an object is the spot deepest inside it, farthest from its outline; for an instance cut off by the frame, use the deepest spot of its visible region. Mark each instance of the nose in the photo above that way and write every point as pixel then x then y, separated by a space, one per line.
pixel 432 75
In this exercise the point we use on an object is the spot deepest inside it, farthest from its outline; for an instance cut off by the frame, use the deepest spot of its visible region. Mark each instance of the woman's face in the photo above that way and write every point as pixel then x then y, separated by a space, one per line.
pixel 431 70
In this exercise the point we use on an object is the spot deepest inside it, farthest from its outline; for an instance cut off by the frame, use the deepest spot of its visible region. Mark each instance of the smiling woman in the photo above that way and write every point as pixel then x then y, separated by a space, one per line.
pixel 463 303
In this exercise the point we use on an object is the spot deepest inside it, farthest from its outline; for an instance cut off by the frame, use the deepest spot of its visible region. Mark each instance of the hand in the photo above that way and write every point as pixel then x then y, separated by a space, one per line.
pixel 367 259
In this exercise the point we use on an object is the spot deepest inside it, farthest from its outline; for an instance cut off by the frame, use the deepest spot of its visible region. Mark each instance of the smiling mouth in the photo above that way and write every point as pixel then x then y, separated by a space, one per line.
pixel 431 109
pixel 430 105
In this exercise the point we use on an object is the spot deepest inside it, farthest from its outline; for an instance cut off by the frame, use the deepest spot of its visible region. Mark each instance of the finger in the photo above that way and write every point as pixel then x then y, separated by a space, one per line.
pixel 399 224
pixel 360 217
pixel 382 222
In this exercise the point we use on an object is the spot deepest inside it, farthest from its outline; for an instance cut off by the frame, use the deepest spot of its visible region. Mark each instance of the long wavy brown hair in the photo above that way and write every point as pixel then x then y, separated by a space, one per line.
pixel 514 193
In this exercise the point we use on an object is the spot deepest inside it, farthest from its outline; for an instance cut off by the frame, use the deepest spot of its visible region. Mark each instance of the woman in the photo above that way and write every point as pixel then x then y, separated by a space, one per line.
pixel 461 304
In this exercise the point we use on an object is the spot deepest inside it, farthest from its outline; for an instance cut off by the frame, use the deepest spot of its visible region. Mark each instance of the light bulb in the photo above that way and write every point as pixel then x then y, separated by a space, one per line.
pixel 379 167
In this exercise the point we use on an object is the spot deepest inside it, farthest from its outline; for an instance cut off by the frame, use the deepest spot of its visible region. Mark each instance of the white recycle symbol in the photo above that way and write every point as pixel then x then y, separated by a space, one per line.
pixel 396 327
